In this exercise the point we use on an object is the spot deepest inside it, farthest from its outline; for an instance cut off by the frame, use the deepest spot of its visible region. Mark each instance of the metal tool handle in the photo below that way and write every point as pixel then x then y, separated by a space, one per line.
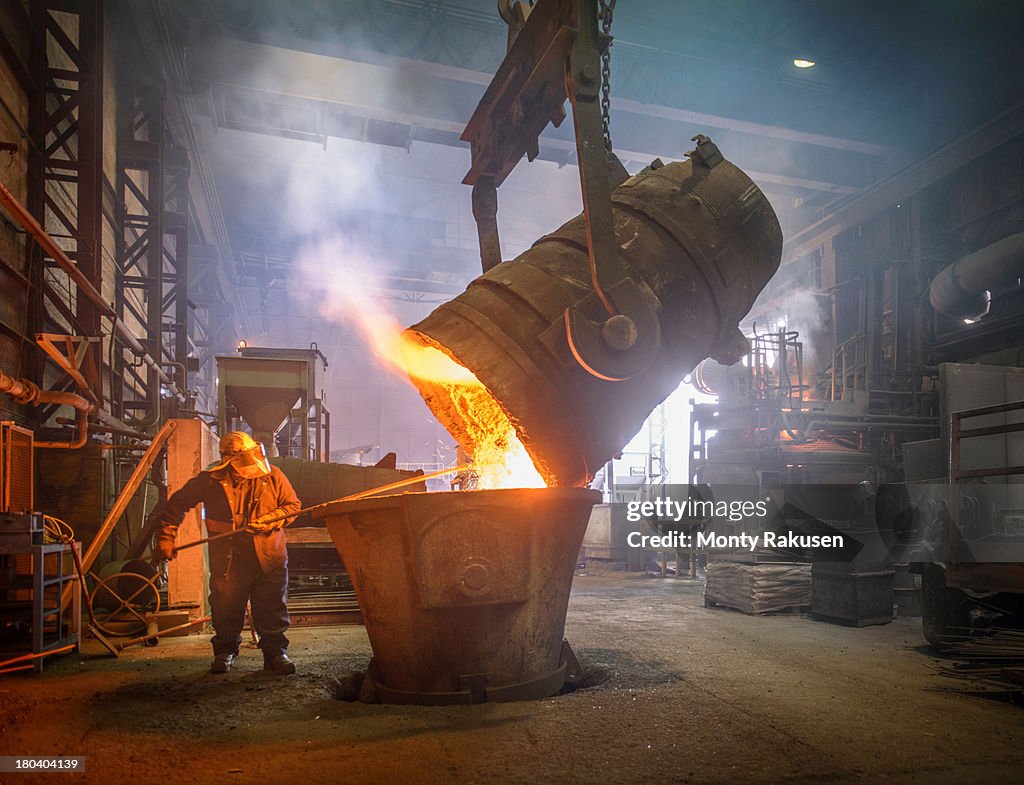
pixel 362 494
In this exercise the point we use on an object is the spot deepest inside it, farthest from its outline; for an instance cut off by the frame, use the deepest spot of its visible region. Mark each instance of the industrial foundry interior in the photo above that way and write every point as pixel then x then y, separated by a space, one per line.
pixel 594 393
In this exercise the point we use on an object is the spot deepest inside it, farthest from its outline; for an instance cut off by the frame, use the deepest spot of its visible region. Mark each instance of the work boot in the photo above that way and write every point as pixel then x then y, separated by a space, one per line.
pixel 280 664
pixel 222 663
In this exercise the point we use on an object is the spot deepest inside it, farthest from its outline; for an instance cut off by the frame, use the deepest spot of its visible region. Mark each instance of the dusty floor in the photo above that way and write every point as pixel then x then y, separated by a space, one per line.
pixel 689 695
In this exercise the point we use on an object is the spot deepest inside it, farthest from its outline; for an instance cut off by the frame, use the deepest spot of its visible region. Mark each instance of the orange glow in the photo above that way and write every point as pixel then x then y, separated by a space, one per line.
pixel 499 458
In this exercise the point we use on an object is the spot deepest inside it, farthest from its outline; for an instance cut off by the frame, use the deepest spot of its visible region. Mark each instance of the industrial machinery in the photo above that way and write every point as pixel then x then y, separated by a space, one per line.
pixel 17 490
pixel 276 393
pixel 777 432
pixel 910 331
pixel 563 351
pixel 698 238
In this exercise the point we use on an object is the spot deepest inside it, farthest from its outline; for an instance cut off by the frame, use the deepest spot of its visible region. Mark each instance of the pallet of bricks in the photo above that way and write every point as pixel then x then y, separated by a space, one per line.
pixel 770 587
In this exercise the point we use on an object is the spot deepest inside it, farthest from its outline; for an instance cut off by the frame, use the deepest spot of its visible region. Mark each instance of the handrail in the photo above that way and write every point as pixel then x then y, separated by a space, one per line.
pixel 956 435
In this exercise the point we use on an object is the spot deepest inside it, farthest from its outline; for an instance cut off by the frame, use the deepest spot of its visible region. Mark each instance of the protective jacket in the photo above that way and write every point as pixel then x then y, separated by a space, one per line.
pixel 231 502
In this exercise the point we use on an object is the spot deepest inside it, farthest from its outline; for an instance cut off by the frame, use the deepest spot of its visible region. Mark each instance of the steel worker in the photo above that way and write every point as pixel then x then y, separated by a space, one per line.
pixel 242 491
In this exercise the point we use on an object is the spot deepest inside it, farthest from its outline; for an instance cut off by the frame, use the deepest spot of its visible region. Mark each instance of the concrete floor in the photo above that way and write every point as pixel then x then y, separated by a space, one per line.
pixel 683 694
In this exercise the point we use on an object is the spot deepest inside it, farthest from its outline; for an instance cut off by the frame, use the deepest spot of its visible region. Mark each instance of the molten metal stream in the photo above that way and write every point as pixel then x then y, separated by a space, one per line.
pixel 487 434
pixel 499 458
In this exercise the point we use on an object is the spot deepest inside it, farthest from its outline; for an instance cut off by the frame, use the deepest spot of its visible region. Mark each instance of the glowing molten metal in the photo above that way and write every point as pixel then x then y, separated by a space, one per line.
pixel 486 434
pixel 499 458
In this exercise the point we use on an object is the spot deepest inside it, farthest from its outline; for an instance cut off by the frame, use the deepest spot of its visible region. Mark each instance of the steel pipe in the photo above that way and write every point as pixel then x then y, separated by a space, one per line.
pixel 962 290
pixel 26 392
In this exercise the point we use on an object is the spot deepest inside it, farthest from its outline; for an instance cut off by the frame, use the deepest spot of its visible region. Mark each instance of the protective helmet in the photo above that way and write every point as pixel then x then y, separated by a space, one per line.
pixel 243 454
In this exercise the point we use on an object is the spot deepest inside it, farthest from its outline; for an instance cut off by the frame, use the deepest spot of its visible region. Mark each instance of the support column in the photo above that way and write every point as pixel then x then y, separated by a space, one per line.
pixel 65 166
pixel 139 290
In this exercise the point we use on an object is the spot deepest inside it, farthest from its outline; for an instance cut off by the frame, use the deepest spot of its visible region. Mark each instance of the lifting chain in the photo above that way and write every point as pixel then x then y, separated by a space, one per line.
pixel 606 8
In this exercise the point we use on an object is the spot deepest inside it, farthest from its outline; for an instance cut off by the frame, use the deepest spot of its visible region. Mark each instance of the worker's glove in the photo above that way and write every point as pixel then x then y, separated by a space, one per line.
pixel 163 550
pixel 264 524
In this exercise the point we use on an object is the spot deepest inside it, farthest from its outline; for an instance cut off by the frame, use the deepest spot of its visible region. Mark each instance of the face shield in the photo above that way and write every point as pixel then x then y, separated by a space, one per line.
pixel 250 464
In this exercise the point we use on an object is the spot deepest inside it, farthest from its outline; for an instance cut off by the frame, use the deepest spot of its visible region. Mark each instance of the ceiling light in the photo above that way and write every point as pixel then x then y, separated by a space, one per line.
pixel 802 62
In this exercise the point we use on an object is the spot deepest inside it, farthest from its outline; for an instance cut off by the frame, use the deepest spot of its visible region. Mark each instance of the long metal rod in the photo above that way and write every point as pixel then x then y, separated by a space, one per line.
pixel 49 245
pixel 997 408
pixel 87 601
pixel 362 494
pixel 178 628
pixel 28 657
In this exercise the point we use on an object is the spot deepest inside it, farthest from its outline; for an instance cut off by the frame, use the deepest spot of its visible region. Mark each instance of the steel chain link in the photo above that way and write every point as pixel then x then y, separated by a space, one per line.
pixel 606 8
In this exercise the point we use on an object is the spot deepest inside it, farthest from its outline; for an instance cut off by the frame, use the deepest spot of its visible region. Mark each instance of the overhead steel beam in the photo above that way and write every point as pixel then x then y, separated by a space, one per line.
pixel 247 83
pixel 469 76
pixel 758 176
pixel 390 278
pixel 755 129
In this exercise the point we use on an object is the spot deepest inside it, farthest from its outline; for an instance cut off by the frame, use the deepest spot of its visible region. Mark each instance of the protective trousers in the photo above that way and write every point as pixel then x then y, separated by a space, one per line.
pixel 243 579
